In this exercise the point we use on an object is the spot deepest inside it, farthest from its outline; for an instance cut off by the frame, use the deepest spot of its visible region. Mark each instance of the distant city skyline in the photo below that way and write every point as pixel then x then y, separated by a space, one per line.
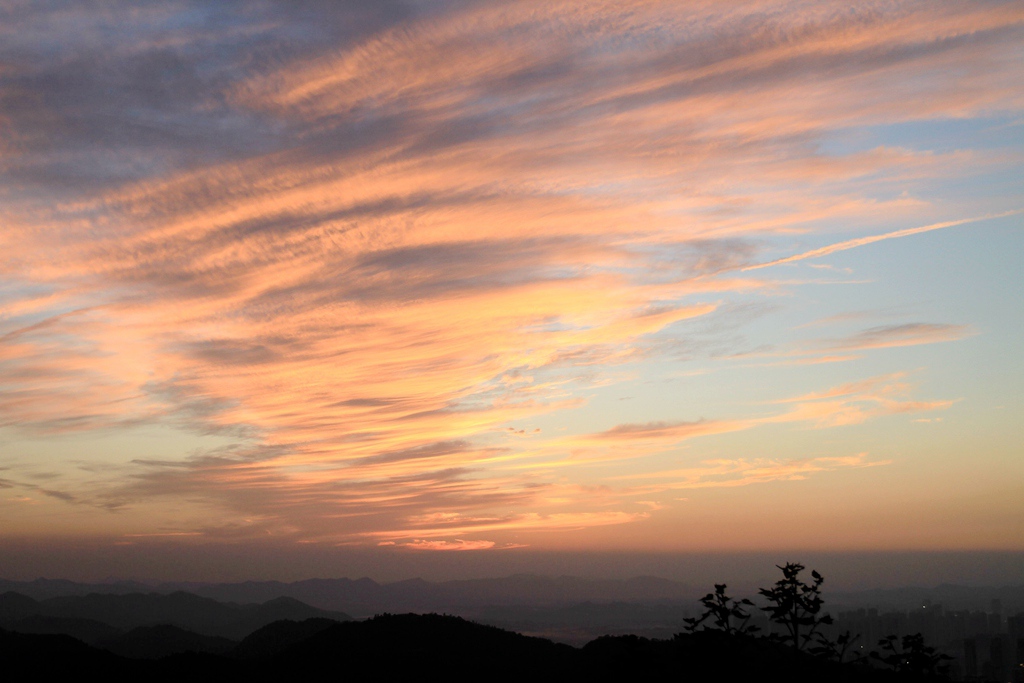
pixel 377 283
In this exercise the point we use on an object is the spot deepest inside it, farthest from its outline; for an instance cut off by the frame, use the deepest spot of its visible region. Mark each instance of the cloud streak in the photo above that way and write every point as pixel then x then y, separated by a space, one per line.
pixel 861 241
pixel 359 243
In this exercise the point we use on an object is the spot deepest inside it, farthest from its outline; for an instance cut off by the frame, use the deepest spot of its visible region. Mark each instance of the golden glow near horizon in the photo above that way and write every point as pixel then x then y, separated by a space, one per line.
pixel 479 276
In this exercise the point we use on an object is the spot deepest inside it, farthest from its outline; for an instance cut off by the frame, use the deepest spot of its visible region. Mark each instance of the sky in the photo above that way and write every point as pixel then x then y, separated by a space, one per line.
pixel 482 279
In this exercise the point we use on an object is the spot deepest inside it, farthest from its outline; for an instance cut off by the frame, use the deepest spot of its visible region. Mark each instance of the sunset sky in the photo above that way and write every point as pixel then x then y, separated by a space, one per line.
pixel 410 277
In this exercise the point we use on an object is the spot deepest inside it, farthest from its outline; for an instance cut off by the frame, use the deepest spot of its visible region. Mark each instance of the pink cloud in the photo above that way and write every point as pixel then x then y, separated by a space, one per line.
pixel 457 224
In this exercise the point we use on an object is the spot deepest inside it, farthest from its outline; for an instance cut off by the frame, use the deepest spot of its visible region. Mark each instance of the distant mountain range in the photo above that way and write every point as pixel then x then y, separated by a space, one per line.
pixel 365 597
pixel 98 618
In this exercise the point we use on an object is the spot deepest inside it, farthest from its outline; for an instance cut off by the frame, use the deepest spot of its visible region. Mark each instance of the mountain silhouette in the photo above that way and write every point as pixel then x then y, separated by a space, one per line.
pixel 431 646
pixel 275 638
pixel 367 597
pixel 14 606
pixel 31 656
pixel 417 646
pixel 89 631
pixel 129 611
pixel 155 642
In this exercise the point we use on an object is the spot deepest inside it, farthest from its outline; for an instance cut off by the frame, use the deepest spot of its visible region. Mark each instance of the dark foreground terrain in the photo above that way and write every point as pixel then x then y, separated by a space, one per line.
pixel 416 647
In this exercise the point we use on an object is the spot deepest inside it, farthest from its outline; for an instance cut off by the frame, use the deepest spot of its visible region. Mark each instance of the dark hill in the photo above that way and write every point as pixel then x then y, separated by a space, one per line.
pixel 277 637
pixel 184 610
pixel 154 642
pixel 144 609
pixel 715 656
pixel 15 606
pixel 395 647
pixel 86 630
pixel 288 608
pixel 431 646
pixel 58 657
pixel 434 647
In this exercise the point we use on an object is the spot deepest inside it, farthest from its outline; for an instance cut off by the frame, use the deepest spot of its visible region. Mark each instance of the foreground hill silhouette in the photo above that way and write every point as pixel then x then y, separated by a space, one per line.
pixel 156 642
pixel 397 647
pixel 390 647
pixel 431 646
pixel 275 638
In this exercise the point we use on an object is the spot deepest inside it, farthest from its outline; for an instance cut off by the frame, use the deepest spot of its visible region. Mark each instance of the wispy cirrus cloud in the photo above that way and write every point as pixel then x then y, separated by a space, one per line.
pixel 468 496
pixel 861 241
pixel 907 334
pixel 857 402
pixel 849 347
pixel 365 247
pixel 725 473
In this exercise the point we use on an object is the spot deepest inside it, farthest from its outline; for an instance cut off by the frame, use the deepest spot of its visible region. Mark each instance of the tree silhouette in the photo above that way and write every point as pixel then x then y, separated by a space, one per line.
pixel 835 649
pixel 722 610
pixel 911 656
pixel 795 606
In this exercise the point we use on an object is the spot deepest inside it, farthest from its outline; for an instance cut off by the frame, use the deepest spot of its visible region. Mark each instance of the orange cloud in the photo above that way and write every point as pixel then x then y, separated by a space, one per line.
pixel 745 472
pixel 409 241
pixel 857 402
pixel 420 544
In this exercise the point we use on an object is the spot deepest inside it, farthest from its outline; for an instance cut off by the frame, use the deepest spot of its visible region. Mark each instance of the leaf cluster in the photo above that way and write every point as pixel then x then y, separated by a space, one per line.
pixel 726 614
